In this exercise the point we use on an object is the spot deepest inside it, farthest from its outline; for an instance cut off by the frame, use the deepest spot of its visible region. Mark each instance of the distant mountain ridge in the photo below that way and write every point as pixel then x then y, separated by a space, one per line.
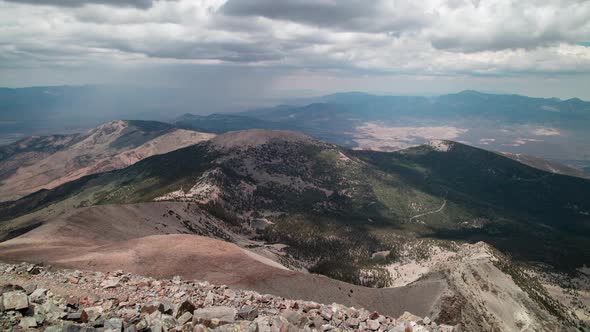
pixel 46 110
pixel 466 103
pixel 548 128
pixel 44 162
pixel 548 166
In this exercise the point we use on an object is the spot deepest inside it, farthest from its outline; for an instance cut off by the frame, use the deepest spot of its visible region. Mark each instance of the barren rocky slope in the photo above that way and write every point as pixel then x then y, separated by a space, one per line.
pixel 158 240
pixel 473 285
pixel 64 300
pixel 46 162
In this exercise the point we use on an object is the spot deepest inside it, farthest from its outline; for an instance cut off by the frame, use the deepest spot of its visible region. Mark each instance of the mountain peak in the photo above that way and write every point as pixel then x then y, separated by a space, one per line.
pixel 471 93
pixel 254 137
pixel 440 145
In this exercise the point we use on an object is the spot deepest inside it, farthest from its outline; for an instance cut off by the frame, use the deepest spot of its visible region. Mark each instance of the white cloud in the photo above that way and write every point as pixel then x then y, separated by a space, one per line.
pixel 435 38
pixel 486 141
pixel 546 132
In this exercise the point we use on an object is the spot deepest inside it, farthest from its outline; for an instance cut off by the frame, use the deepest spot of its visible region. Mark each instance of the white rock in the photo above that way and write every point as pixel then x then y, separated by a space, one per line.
pixel 373 324
pixel 15 300
pixel 184 318
pixel 28 322
pixel 38 294
pixel 110 283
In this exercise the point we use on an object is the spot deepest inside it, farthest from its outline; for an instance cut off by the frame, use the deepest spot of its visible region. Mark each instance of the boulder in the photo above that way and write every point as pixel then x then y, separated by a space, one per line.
pixel 30 288
pixel 110 283
pixel 317 322
pixel 142 324
pixel 373 324
pixel 149 309
pixel 38 295
pixel 185 318
pixel 17 300
pixel 215 315
pixel 115 324
pixel 293 317
pixel 408 317
pixel 156 328
pixel 165 307
pixel 72 280
pixel 79 316
pixel 50 309
pixel 94 313
pixel 248 313
pixel 401 327
pixel 185 307
pixel 327 314
pixel 243 326
pixel 34 269
pixel 310 306
pixel 73 302
pixel 28 322
pixel 168 322
pixel 283 325
pixel 10 288
pixel 352 322
pixel 39 318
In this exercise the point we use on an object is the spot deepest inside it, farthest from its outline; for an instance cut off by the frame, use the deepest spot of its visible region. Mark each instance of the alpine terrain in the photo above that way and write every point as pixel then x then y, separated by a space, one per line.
pixel 45 162
pixel 470 238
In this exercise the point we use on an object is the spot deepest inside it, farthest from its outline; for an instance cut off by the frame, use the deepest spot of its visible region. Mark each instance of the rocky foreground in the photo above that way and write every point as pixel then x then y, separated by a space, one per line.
pixel 37 298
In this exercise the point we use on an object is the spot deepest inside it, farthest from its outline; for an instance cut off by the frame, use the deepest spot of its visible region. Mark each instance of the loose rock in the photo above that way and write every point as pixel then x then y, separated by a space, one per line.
pixel 17 300
pixel 120 302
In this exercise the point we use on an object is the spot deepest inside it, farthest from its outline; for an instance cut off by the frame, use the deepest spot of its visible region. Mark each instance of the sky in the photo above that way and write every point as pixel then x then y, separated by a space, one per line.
pixel 271 48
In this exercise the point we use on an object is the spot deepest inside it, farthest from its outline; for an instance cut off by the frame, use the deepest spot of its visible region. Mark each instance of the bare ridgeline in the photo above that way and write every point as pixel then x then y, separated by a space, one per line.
pixel 426 230
pixel 38 298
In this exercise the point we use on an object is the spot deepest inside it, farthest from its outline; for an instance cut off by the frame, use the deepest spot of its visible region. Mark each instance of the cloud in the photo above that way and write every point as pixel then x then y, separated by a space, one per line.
pixel 486 141
pixel 78 3
pixel 522 141
pixel 506 24
pixel 347 15
pixel 546 132
pixel 322 38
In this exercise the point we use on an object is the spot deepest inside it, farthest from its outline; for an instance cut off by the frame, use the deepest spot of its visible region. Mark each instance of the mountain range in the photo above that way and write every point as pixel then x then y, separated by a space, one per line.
pixel 329 200
pixel 444 190
pixel 549 128
pixel 44 162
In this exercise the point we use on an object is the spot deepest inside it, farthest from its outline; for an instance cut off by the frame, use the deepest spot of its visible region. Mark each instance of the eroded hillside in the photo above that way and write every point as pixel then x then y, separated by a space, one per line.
pixel 45 162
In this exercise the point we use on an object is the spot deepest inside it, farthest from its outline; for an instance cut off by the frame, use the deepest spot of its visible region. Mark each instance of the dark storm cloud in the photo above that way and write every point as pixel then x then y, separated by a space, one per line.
pixel 198 50
pixel 346 15
pixel 227 52
pixel 143 4
pixel 435 37
pixel 479 43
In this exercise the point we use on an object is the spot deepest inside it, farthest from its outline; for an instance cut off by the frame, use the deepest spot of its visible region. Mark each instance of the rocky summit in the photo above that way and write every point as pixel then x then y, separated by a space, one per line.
pixel 38 298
